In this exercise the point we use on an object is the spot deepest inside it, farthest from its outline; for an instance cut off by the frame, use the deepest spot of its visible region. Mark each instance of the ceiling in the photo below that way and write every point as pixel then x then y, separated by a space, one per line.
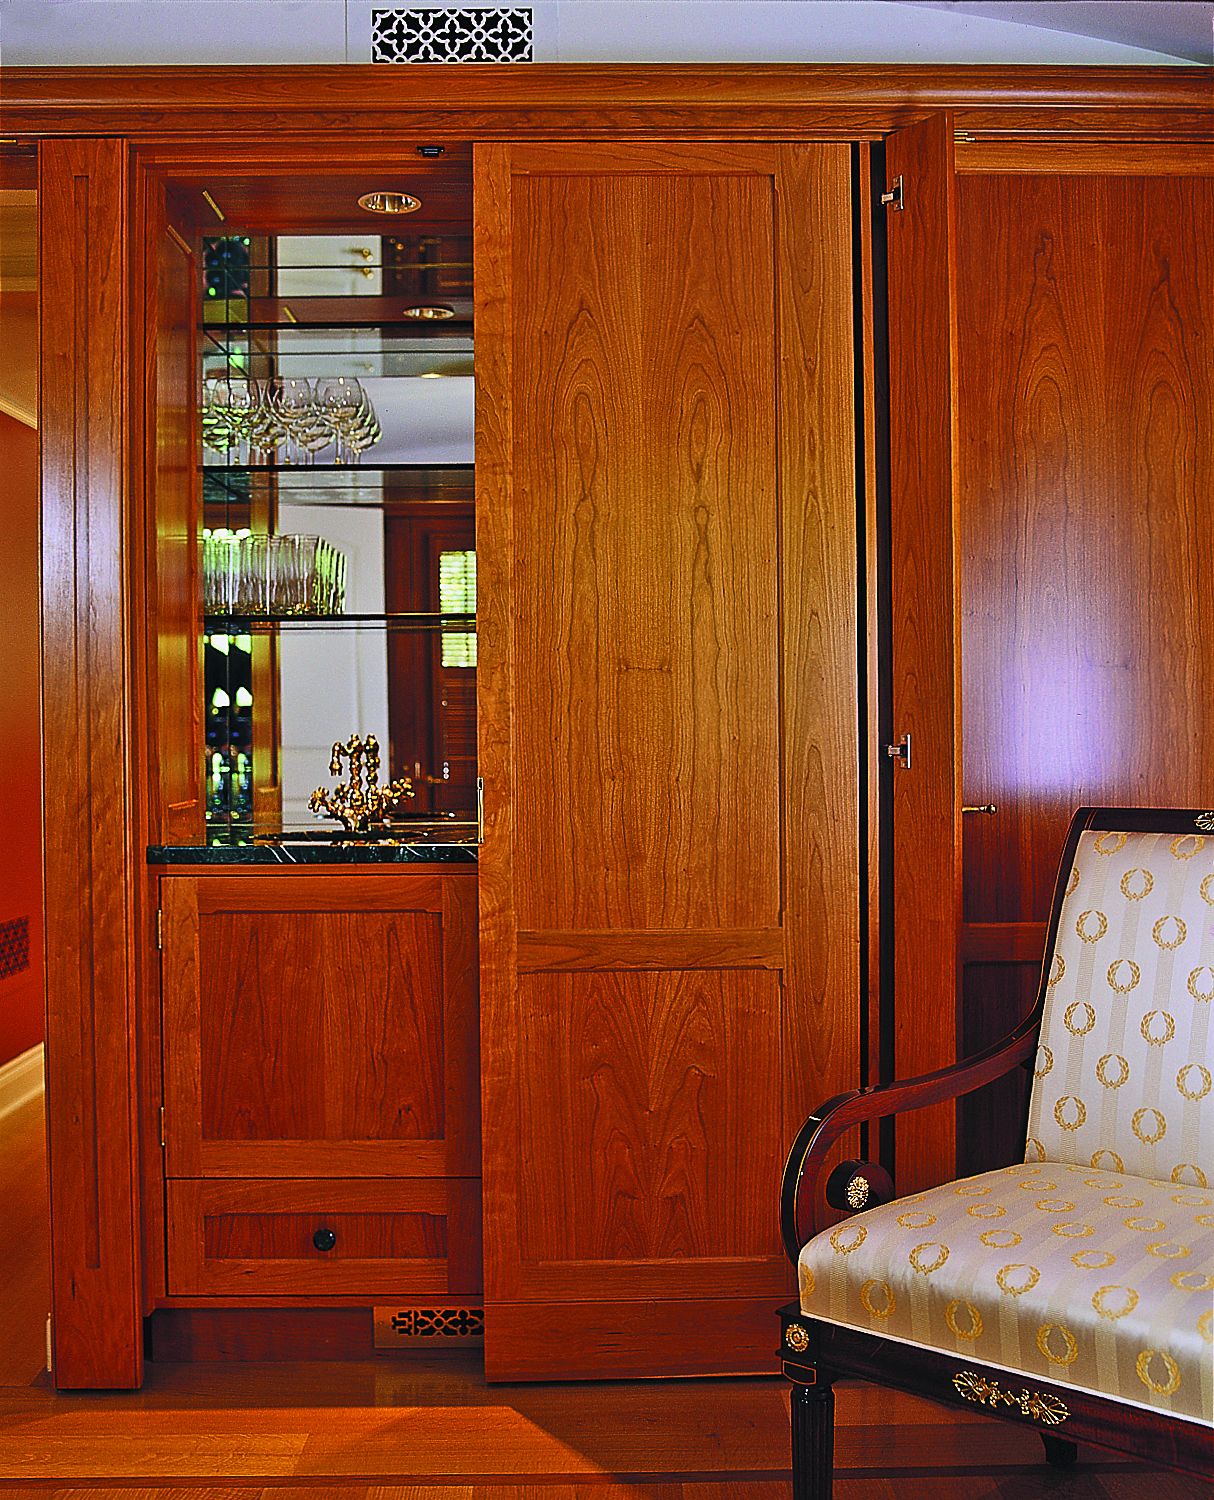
pixel 1181 30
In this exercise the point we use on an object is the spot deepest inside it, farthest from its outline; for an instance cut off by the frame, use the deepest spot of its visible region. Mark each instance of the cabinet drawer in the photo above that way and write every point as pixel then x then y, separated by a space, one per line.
pixel 324 1237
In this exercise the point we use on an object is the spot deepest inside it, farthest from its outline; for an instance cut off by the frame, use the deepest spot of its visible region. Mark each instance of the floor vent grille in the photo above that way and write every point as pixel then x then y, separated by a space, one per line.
pixel 413 1327
pixel 464 35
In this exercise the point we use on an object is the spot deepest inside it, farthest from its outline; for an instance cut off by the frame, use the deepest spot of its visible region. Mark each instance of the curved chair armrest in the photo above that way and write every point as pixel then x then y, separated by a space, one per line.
pixel 801 1203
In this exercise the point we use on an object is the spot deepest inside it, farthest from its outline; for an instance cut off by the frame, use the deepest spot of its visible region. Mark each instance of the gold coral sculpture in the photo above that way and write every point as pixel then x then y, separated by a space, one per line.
pixel 356 803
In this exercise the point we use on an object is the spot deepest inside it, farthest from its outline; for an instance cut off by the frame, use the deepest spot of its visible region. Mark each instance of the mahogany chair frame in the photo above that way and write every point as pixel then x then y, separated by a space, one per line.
pixel 815 1354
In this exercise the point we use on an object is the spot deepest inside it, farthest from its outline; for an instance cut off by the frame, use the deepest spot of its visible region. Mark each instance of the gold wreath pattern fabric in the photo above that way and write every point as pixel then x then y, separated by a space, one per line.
pixel 1124 1077
pixel 1093 1279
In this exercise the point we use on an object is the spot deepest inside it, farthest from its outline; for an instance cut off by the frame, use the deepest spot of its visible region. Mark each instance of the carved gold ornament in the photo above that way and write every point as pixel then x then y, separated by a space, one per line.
pixel 1039 1406
pixel 857 1192
pixel 1205 821
pixel 797 1338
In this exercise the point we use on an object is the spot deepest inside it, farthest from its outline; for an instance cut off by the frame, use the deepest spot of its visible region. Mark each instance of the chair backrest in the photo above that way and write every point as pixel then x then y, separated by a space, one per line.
pixel 1123 1073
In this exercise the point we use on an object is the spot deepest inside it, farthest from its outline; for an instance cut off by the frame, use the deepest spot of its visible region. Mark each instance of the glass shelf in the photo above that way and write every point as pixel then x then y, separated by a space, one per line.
pixel 287 314
pixel 251 624
pixel 358 486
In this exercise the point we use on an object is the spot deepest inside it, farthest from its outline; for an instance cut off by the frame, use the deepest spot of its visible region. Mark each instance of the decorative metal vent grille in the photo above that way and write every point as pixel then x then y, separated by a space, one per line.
pixel 14 947
pixel 451 36
pixel 402 1327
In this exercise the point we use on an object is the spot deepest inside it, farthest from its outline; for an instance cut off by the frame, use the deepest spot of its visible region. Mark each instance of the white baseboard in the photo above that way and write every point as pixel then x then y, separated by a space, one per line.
pixel 21 1080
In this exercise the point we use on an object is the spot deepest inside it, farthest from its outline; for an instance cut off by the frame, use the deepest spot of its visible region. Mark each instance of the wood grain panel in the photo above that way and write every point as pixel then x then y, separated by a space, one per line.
pixel 168 462
pixel 646 595
pixel 1087 439
pixel 704 948
pixel 666 509
pixel 249 1238
pixel 305 1039
pixel 925 632
pixel 1100 158
pixel 991 1122
pixel 90 862
pixel 640 1136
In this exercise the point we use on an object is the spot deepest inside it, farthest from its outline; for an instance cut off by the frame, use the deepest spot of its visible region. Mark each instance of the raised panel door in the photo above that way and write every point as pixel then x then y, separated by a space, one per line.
pixel 320 1026
pixel 668 734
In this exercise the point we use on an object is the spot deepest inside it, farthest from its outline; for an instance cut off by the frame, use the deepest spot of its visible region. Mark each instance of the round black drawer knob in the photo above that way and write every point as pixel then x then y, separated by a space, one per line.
pixel 324 1239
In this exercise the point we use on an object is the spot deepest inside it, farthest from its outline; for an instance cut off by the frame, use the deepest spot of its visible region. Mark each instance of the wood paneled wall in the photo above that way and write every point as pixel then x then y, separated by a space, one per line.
pixel 88 768
pixel 1086 414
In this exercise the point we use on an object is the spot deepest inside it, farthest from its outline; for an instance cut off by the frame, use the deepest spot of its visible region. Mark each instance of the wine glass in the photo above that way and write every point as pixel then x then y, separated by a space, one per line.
pixel 340 397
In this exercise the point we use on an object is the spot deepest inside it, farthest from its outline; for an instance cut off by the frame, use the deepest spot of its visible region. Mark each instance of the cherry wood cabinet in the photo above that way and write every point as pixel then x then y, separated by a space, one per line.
pixel 683 740
pixel 320 1074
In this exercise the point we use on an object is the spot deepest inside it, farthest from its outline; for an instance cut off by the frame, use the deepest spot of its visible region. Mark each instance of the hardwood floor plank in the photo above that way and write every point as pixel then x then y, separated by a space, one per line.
pixel 25 1288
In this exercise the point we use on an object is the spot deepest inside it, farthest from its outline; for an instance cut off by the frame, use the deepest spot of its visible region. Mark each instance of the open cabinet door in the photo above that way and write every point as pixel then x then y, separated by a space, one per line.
pixel 170 454
pixel 668 736
pixel 921 223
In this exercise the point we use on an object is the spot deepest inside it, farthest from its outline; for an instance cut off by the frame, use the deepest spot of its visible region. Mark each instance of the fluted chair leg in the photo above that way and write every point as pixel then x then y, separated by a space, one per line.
pixel 1060 1453
pixel 813 1441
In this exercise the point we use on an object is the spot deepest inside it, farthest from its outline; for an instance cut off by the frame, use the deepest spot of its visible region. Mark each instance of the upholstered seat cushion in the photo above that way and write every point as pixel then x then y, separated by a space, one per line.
pixel 1088 1278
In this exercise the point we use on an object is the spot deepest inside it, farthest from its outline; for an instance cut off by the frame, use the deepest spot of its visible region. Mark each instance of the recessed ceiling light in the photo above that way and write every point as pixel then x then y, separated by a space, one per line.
pixel 429 314
pixel 390 203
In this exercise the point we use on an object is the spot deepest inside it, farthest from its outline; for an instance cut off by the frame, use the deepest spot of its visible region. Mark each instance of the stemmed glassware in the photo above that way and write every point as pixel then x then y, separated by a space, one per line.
pixel 287 419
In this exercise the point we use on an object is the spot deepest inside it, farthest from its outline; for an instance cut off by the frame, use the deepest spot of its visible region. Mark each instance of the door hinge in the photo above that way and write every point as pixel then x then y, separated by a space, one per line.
pixel 901 751
pixel 893 198
pixel 163 1137
pixel 480 809
pixel 160 929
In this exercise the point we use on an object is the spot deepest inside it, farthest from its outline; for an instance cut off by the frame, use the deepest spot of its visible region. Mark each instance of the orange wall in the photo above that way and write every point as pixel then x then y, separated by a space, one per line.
pixel 21 1022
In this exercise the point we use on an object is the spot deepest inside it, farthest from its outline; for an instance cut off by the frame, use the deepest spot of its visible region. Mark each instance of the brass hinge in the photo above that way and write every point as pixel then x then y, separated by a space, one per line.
pixel 163 1137
pixel 160 929
pixel 893 198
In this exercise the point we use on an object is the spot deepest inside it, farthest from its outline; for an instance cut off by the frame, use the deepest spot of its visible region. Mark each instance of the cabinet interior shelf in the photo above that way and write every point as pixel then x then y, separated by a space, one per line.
pixel 247 624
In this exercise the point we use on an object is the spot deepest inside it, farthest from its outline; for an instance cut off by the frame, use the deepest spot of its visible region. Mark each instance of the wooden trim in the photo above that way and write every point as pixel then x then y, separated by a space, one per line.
pixel 21 1079
pixel 91 822
pixel 624 1340
pixel 565 952
pixel 313 872
pixel 215 893
pixel 1002 942
pixel 1101 158
pixel 553 100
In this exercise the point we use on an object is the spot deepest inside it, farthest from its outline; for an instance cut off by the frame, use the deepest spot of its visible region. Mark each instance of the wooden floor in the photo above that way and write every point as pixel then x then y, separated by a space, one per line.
pixel 401 1428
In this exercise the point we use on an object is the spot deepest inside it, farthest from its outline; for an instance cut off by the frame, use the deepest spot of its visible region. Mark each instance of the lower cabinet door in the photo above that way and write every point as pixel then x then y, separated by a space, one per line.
pixel 321 1237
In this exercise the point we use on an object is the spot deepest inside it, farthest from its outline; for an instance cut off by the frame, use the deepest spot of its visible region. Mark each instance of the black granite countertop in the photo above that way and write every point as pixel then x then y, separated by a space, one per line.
pixel 288 853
